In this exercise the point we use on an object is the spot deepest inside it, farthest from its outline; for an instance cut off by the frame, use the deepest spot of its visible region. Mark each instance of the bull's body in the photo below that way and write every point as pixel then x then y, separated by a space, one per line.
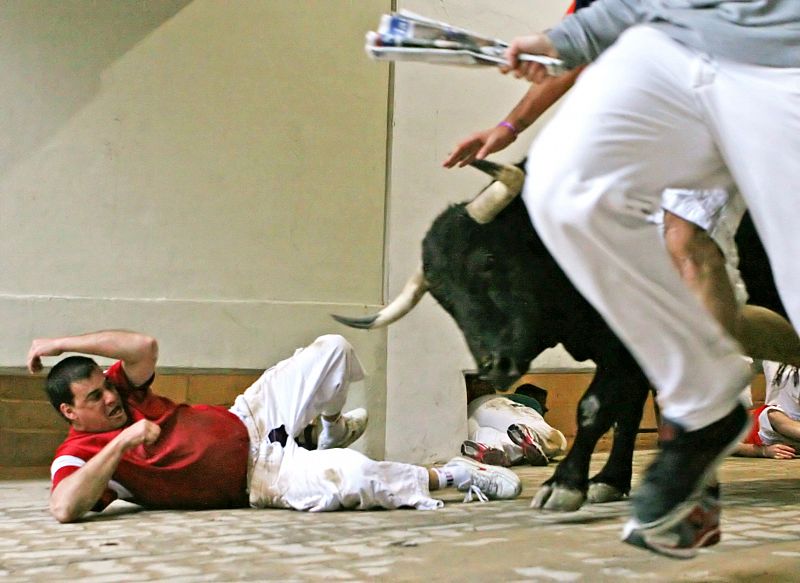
pixel 512 301
pixel 490 271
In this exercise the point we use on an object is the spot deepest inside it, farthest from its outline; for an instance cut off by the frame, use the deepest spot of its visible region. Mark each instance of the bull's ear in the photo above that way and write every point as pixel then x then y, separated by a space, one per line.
pixel 412 293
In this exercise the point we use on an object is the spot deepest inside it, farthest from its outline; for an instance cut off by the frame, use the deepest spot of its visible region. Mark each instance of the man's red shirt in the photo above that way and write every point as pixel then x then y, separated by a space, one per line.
pixel 198 461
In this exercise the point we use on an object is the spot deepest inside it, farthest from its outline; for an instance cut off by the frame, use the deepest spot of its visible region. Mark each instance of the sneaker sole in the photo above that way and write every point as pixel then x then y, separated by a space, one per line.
pixel 490 456
pixel 531 450
pixel 637 537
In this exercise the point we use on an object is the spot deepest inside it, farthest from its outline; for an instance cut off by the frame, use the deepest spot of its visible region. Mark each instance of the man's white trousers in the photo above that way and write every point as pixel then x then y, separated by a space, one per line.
pixel 649 115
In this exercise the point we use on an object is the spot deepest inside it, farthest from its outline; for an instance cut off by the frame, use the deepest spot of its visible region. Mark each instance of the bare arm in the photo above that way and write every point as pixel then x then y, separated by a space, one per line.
pixel 79 492
pixel 778 451
pixel 137 352
pixel 784 424
pixel 534 103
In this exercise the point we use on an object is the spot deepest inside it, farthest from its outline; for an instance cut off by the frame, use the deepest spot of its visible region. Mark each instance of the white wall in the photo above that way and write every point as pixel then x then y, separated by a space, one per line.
pixel 215 173
pixel 209 172
pixel 435 107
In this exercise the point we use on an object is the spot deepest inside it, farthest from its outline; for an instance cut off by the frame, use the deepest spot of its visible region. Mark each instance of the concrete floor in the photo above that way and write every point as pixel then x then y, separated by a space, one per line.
pixel 497 541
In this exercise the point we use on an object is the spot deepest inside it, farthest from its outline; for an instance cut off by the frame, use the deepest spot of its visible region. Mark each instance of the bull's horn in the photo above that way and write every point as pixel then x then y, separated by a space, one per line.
pixel 412 293
pixel 495 197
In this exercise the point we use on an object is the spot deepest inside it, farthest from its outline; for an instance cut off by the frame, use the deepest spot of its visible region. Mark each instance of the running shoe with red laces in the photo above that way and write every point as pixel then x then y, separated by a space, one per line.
pixel 485 454
pixel 524 437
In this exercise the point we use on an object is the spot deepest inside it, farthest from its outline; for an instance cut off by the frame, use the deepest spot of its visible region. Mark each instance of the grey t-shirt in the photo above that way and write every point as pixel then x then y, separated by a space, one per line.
pixel 758 32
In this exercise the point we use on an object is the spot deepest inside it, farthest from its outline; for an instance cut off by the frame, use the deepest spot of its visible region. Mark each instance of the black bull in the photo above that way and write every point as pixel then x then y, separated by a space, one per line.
pixel 512 301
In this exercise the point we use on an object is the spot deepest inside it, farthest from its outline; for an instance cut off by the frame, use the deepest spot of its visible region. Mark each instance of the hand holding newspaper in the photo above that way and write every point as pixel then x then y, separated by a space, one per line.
pixel 405 36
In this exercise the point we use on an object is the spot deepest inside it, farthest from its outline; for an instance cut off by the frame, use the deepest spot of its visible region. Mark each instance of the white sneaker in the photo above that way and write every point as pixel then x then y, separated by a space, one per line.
pixel 355 422
pixel 486 482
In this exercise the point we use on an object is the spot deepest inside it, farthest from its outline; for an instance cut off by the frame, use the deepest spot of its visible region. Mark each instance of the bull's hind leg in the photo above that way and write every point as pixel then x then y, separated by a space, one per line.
pixel 613 482
pixel 597 411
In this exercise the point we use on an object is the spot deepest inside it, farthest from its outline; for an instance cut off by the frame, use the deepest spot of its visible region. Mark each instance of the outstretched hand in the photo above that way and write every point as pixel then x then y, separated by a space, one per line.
pixel 779 451
pixel 479 145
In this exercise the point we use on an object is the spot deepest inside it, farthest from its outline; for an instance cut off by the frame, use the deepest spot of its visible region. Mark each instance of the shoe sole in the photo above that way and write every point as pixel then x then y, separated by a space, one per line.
pixel 491 456
pixel 636 537
pixel 633 531
pixel 531 450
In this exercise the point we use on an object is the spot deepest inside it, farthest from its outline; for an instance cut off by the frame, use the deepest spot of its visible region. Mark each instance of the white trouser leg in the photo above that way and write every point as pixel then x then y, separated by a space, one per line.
pixel 631 128
pixel 334 479
pixel 755 114
pixel 312 381
pixel 498 413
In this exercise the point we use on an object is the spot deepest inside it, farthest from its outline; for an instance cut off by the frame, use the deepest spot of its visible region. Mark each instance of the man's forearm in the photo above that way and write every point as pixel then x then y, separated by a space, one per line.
pixel 784 424
pixel 131 347
pixel 539 98
pixel 749 450
pixel 76 494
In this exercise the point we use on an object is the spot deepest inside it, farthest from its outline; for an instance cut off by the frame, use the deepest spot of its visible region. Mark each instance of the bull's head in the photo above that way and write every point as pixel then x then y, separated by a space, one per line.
pixel 476 262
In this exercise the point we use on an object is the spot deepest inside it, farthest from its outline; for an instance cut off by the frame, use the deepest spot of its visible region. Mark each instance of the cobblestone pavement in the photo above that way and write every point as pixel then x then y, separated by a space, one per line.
pixel 496 541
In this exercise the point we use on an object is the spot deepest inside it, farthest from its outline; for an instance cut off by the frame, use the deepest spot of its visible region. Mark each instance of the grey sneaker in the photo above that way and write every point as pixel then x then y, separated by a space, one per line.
pixel 486 482
pixel 700 528
pixel 355 423
pixel 674 484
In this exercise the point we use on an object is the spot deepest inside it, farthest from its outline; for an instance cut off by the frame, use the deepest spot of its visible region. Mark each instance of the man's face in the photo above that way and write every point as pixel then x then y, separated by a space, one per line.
pixel 96 405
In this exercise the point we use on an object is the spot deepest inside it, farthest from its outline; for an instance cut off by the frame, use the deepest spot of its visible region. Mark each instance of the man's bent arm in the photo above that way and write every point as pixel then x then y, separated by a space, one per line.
pixel 76 494
pixel 138 352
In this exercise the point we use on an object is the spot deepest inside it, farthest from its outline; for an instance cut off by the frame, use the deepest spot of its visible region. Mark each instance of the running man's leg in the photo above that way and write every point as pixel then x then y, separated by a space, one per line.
pixel 600 169
pixel 632 128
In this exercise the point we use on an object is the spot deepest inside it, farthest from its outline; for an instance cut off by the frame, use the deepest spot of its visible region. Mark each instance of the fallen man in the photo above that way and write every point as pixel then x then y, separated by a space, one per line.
pixel 126 442
pixel 776 425
pixel 509 429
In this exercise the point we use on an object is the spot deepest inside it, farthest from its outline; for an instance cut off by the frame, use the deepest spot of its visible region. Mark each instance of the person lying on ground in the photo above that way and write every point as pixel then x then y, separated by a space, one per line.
pixel 509 429
pixel 127 442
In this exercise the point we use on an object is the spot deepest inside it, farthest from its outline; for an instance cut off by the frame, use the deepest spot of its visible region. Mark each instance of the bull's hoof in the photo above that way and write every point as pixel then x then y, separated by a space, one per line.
pixel 599 493
pixel 558 498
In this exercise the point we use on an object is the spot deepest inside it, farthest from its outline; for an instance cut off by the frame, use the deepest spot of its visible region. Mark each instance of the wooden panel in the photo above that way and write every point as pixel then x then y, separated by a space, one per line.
pixel 218 389
pixel 22 387
pixel 172 386
pixel 758 389
pixel 29 448
pixel 25 473
pixel 27 415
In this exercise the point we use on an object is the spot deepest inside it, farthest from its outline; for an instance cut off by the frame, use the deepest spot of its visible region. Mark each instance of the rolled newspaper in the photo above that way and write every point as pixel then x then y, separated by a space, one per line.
pixel 405 36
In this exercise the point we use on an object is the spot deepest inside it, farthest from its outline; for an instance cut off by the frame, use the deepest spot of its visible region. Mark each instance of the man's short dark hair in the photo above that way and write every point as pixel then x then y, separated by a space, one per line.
pixel 63 374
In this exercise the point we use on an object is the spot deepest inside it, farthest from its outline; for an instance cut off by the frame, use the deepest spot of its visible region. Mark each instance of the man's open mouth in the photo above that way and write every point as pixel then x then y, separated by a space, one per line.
pixel 115 411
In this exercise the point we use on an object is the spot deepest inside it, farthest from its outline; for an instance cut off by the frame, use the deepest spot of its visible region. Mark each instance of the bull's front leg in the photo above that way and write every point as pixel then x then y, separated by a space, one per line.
pixel 566 490
pixel 613 482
